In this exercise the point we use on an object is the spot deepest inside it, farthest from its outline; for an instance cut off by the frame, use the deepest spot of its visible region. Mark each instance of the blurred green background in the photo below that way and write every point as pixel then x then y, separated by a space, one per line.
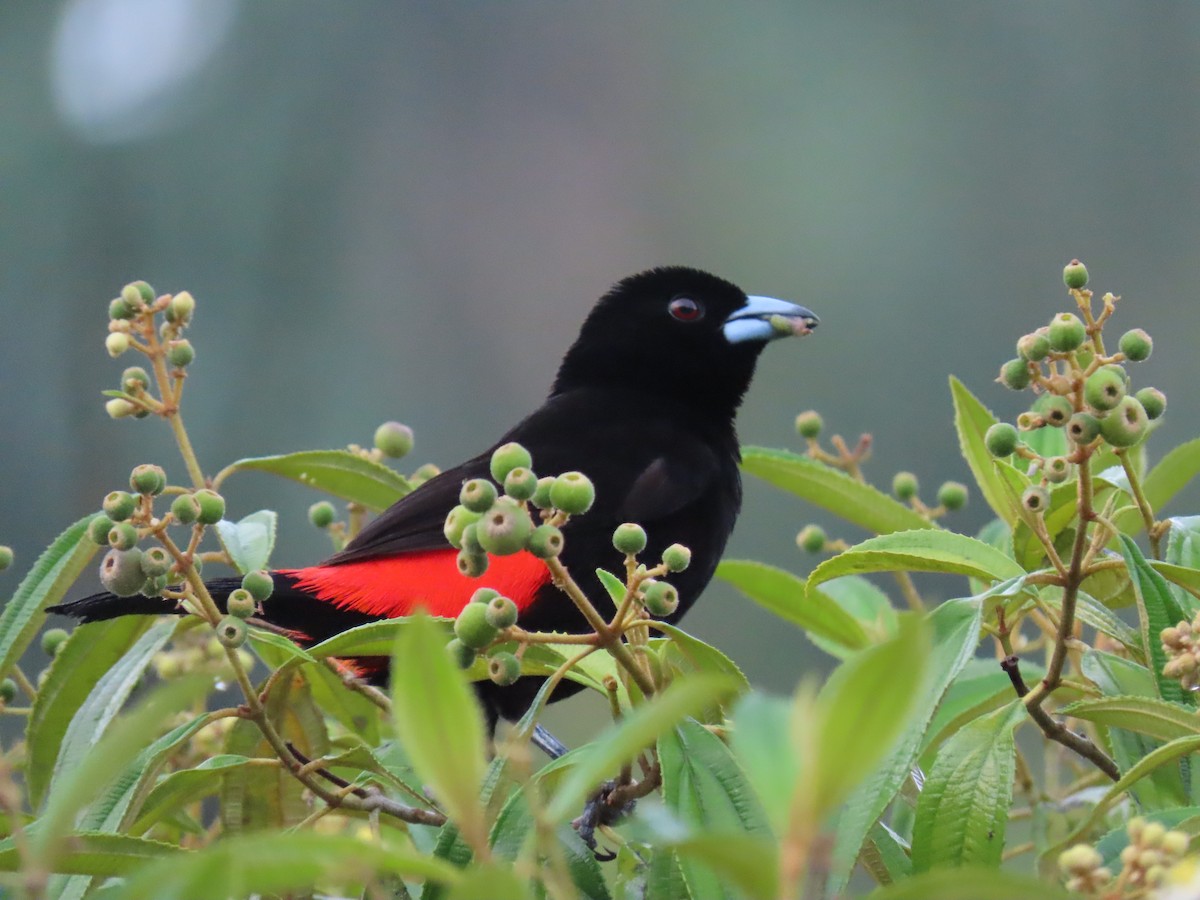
pixel 403 210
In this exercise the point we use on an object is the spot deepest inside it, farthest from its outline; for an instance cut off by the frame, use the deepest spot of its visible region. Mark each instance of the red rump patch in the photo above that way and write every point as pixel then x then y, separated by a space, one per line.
pixel 398 585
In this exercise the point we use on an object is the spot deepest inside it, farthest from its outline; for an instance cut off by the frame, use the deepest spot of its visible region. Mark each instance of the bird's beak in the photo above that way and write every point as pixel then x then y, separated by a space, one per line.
pixel 765 319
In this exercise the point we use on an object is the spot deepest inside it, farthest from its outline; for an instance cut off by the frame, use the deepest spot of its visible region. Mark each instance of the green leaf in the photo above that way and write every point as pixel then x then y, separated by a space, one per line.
pixel 249 541
pixel 972 420
pixel 287 649
pixel 104 855
pixel 742 863
pixel 613 585
pixel 1092 612
pixel 784 594
pixel 867 604
pixel 438 720
pixel 981 687
pixel 919 551
pixel 1159 719
pixel 514 825
pixel 1172 474
pixel 833 490
pixel 975 883
pixel 700 656
pixel 1158 610
pixel 339 472
pixel 761 740
pixel 885 855
pixel 963 808
pixel 55 571
pixel 187 786
pixel 1182 560
pixel 491 881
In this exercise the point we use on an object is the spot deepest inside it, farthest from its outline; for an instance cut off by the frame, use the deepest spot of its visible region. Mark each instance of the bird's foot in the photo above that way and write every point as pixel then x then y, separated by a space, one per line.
pixel 600 810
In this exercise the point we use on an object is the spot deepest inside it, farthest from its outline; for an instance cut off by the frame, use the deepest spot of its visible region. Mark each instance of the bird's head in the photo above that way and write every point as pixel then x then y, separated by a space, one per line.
pixel 678 334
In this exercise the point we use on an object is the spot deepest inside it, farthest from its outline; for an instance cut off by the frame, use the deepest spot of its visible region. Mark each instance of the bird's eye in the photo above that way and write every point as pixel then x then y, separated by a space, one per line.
pixel 685 309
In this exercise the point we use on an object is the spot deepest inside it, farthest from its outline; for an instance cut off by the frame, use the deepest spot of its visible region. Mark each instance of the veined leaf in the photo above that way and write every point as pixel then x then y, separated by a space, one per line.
pixel 701 656
pixel 1159 719
pixel 1184 576
pixel 104 855
pixel 1183 552
pixel 1159 610
pixel 186 786
pixel 249 541
pixel 972 420
pixel 762 742
pixel 981 687
pixel 339 472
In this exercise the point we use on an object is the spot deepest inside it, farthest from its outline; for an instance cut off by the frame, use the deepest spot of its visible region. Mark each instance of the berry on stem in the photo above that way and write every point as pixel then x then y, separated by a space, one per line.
pixel 629 538
pixel 1075 275
pixel 677 557
pixel 6 557
pixel 660 598
pixel 1104 388
pixel 119 505
pixel 503 668
pixel 1153 401
pixel 1014 374
pixel 259 584
pixel 180 353
pixel 185 509
pixel 211 506
pixel 904 485
pixel 1057 469
pixel 148 479
pixel 507 457
pixel 477 495
pixel 811 539
pixel 156 561
pixel 1001 439
pixel 1125 425
pixel 321 514
pixel 505 528
pixel 462 655
pixel 1033 347
pixel 501 612
pixel 240 604
pixel 122 536
pixel 471 565
pixel 231 632
pixel 1136 345
pixel 1035 499
pixel 52 641
pixel 545 542
pixel 808 424
pixel 473 628
pixel 1083 428
pixel 394 439
pixel 1056 410
pixel 99 528
pixel 121 572
pixel 573 493
pixel 952 495
pixel 1067 332
pixel 520 483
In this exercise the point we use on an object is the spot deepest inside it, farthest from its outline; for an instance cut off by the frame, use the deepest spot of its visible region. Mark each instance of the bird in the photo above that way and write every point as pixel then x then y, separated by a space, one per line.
pixel 643 403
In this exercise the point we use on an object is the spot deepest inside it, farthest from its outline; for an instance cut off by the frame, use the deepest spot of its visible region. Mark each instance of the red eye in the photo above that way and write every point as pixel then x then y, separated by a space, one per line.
pixel 685 309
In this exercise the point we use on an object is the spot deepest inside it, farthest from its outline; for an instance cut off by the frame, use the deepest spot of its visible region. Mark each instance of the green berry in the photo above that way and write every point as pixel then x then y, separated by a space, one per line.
pixel 1014 374
pixel 121 572
pixel 1125 425
pixel 132 296
pixel 122 536
pixel 520 483
pixel 1001 439
pixel 424 472
pixel 181 307
pixel 629 538
pixel 144 291
pixel 808 424
pixel 1057 469
pixel 660 598
pixel 545 542
pixel 811 539
pixel 503 668
pixel 99 528
pixel 241 604
pixel 1075 275
pixel 52 641
pixel 1035 499
pixel 259 584
pixel 180 353
pixel 677 557
pixel 505 528
pixel 470 539
pixel 507 457
pixel 541 496
pixel 1067 332
pixel 1033 347
pixel 904 485
pixel 573 493
pixel 484 595
pixel 148 479
pixel 211 506
pixel 1104 388
pixel 231 632
pixel 1153 401
pixel 952 495
pixel 1056 410
pixel 473 628
pixel 501 613
pixel 119 505
pixel 119 309
pixel 1083 428
pixel 8 691
pixel 120 408
pixel 156 561
pixel 185 509
pixel 471 565
pixel 462 655
pixel 477 495
pixel 6 557
pixel 321 514
pixel 134 380
pixel 1136 345
pixel 456 523
pixel 394 439
pixel 116 343
pixel 154 586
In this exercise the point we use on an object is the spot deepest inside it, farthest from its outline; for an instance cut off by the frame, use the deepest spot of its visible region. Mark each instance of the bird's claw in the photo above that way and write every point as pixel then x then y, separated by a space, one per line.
pixel 599 811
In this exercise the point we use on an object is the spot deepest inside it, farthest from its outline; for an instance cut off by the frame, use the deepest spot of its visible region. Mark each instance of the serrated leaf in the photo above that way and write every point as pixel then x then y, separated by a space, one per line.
pixel 249 541
pixel 761 740
pixel 784 594
pixel 1159 719
pixel 186 786
pixel 104 855
pixel 981 687
pixel 701 656
pixel 339 472
pixel 1158 611
pixel 515 823
pixel 963 808
pixel 831 489
pixel 613 585
pixel 972 420
pixel 1185 577
pixel 53 572
pixel 866 604
pixel 1172 474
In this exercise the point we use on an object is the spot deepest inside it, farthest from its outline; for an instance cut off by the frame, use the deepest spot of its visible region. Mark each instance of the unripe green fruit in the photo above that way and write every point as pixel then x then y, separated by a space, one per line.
pixel 477 495
pixel 456 523
pixel 1083 428
pixel 321 514
pixel 505 528
pixel 423 473
pixel 501 613
pixel 484 595
pixel 1057 469
pixel 904 485
pixel 541 496
pixel 629 538
pixel 470 539
pixel 6 557
pixel 1126 424
pixel 99 528
pixel 952 495
pixel 471 565
pixel 156 561
pixel 121 572
pixel 144 291
pixel 811 539
pixel 8 690
pixel 1033 347
pixel 1056 410
pixel 135 379
pixel 462 655
pixel 211 506
pixel 119 309
pixel 808 424
pixel 259 584
pixel 677 557
pixel 241 604
pixel 119 505
pixel 1014 374
pixel 545 542
pixel 1153 401
pixel 231 632
pixel 1067 332
pixel 181 307
pixel 473 628
pixel 52 641
pixel 660 598
pixel 507 457
pixel 503 668
pixel 1035 499
pixel 1075 275
pixel 520 483
pixel 185 509
pixel 148 479
pixel 1001 439
pixel 120 408
pixel 116 343
pixel 573 493
pixel 180 353
pixel 122 536
pixel 132 296
pixel 1104 388
pixel 1136 345
pixel 394 439
pixel 153 586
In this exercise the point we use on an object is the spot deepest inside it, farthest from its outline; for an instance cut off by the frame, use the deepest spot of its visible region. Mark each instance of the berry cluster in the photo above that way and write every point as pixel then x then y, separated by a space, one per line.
pixel 1152 849
pixel 1182 645
pixel 132 326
